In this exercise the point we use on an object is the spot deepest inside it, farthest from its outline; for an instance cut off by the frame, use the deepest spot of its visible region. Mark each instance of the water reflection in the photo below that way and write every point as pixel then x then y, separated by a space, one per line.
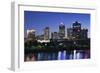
pixel 60 55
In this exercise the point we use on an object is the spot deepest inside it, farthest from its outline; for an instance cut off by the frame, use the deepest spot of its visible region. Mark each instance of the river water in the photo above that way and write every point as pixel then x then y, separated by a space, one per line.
pixel 60 55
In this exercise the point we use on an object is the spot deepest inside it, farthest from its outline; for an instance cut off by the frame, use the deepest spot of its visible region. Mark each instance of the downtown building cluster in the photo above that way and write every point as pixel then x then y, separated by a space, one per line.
pixel 73 33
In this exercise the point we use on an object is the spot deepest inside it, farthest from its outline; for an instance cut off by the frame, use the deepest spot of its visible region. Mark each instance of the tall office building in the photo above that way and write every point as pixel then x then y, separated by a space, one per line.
pixel 84 34
pixel 61 31
pixel 46 33
pixel 54 35
pixel 76 30
pixel 69 33
pixel 31 34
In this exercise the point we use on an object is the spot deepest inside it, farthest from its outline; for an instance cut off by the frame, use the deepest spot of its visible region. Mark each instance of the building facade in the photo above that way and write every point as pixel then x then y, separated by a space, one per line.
pixel 69 33
pixel 61 31
pixel 31 34
pixel 76 32
pixel 84 34
pixel 46 33
pixel 54 35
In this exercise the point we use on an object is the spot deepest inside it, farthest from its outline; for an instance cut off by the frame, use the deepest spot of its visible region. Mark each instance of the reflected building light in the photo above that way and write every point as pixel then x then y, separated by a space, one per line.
pixel 71 55
pixel 64 54
pixel 39 56
pixel 81 56
pixel 74 55
pixel 27 58
pixel 33 58
pixel 78 55
pixel 59 55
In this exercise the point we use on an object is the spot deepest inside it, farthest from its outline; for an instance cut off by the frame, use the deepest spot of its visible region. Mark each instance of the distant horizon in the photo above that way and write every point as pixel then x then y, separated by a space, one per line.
pixel 39 20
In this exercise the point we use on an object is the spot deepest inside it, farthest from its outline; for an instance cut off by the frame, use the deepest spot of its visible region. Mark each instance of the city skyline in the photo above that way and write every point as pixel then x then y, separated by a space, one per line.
pixel 39 20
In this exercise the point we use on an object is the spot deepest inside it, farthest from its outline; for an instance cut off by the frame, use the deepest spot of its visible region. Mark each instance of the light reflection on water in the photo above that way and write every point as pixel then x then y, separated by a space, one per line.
pixel 60 55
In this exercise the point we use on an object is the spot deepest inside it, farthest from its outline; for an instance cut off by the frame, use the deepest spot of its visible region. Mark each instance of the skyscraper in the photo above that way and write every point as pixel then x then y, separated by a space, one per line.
pixel 31 34
pixel 84 34
pixel 69 33
pixel 46 33
pixel 54 35
pixel 61 30
pixel 76 30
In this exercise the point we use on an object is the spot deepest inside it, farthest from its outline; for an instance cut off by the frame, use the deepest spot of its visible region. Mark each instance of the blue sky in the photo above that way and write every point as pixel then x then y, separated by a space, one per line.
pixel 39 20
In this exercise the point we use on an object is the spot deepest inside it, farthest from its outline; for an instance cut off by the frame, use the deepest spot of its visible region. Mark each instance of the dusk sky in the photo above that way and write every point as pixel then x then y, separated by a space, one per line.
pixel 39 20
